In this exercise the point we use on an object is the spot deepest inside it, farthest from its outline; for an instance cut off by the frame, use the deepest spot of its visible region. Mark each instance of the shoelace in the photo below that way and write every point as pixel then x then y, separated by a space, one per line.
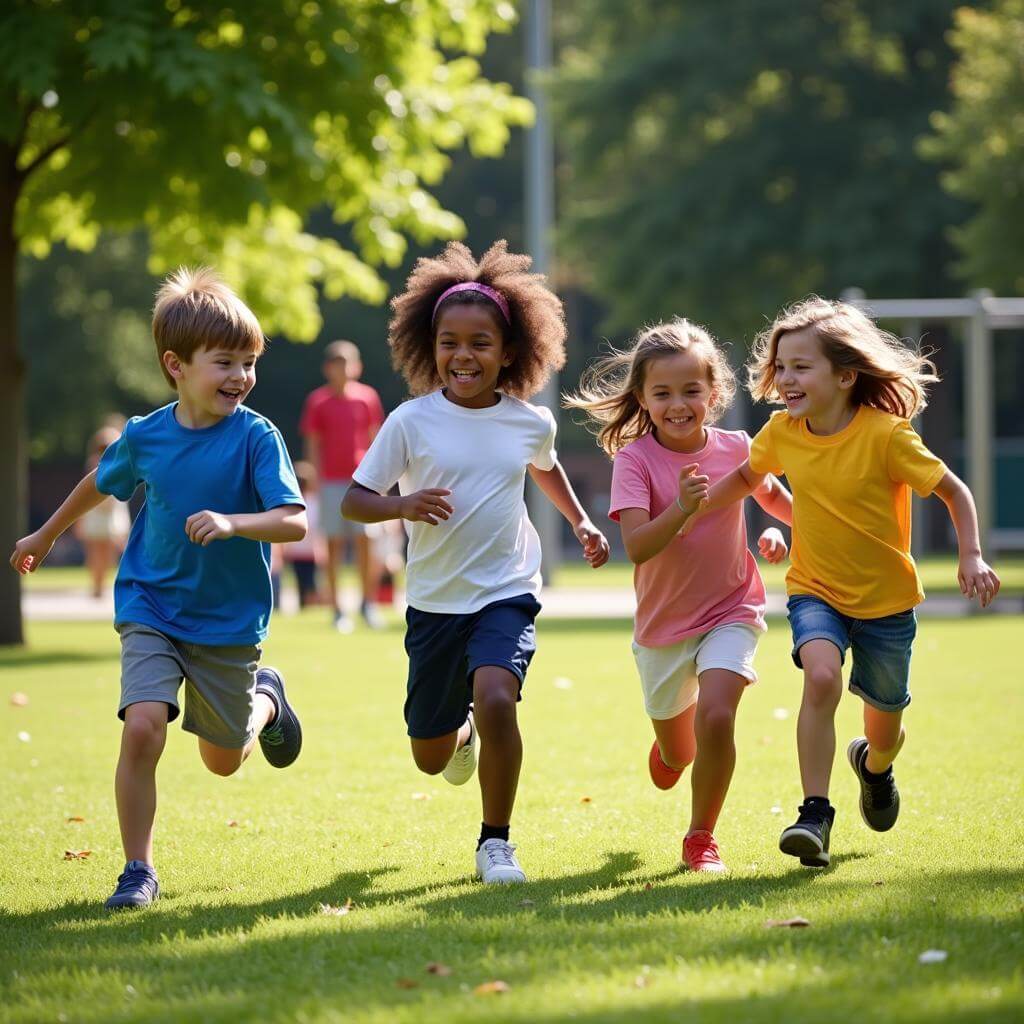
pixel 500 854
pixel 707 849
pixel 273 734
pixel 880 793
pixel 132 878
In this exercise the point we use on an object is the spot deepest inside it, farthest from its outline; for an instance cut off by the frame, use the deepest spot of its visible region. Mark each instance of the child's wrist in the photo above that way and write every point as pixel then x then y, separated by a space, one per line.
pixel 682 508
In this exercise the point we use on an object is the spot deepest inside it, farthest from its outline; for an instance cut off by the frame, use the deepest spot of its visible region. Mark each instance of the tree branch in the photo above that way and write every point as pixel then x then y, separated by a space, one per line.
pixel 54 146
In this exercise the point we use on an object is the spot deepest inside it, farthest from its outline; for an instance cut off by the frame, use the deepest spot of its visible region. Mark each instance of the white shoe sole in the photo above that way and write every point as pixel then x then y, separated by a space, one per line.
pixel 459 770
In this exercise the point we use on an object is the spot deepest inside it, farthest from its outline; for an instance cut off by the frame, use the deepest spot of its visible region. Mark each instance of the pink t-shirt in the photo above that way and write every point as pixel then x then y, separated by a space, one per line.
pixel 707 578
pixel 343 424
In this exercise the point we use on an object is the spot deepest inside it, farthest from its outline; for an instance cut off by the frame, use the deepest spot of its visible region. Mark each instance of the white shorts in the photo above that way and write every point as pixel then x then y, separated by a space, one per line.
pixel 669 675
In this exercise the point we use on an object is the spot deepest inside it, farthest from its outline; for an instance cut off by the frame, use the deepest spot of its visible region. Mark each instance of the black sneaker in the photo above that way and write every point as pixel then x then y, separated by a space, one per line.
pixel 879 797
pixel 281 739
pixel 136 887
pixel 808 837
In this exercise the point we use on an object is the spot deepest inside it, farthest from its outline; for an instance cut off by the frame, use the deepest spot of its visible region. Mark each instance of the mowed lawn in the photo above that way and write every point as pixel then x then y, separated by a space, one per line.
pixel 607 929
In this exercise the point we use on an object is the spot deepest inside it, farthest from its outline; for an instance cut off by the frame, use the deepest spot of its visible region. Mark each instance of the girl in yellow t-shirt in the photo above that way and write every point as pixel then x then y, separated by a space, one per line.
pixel 850 456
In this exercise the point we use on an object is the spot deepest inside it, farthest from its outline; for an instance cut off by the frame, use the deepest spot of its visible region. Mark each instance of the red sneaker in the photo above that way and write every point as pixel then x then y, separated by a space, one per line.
pixel 661 775
pixel 700 853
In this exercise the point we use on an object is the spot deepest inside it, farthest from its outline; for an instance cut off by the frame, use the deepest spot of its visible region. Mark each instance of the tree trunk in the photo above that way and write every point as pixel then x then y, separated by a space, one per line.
pixel 13 469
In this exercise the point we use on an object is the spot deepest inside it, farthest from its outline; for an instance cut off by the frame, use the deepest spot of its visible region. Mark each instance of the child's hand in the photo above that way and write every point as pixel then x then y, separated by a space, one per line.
pixel 772 545
pixel 595 545
pixel 693 488
pixel 977 577
pixel 426 506
pixel 30 551
pixel 203 527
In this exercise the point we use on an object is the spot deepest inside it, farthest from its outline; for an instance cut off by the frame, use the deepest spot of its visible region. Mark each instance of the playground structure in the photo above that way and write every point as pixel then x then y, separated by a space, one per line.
pixel 977 317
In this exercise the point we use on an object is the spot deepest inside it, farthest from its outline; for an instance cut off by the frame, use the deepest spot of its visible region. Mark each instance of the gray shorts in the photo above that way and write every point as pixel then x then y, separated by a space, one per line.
pixel 220 682
pixel 332 525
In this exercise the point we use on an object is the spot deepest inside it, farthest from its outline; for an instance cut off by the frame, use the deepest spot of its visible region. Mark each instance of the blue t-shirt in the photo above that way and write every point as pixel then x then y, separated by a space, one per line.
pixel 218 594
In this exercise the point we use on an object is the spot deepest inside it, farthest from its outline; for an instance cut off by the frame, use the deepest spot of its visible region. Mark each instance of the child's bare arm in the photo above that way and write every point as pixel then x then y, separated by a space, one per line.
pixel 974 574
pixel 276 526
pixel 362 505
pixel 557 489
pixel 775 500
pixel 30 551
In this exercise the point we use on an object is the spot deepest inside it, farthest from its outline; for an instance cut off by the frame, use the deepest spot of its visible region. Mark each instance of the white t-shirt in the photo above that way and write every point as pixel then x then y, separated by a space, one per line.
pixel 488 550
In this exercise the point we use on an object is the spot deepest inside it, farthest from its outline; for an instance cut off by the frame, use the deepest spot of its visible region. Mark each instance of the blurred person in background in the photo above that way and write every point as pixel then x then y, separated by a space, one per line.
pixel 103 531
pixel 339 420
pixel 306 555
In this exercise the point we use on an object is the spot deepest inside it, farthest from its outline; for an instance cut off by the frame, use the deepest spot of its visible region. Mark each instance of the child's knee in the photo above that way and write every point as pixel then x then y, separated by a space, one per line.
pixel 431 758
pixel 716 722
pixel 823 685
pixel 143 738
pixel 220 760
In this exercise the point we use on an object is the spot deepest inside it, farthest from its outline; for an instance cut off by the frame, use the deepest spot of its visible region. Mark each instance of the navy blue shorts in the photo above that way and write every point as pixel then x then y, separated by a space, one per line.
pixel 445 650
pixel 881 647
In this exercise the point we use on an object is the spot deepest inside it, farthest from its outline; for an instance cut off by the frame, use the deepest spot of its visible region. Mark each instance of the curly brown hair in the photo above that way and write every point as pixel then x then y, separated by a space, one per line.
pixel 536 334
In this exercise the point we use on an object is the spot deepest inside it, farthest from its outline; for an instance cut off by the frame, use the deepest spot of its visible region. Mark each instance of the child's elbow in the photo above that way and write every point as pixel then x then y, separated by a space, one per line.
pixel 298 526
pixel 634 554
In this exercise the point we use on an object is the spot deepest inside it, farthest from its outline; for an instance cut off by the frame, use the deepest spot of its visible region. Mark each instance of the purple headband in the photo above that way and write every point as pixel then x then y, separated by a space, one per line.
pixel 474 286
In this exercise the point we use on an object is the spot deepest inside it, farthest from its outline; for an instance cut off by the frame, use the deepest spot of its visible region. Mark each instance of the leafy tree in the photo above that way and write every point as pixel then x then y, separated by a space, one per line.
pixel 722 159
pixel 981 139
pixel 217 129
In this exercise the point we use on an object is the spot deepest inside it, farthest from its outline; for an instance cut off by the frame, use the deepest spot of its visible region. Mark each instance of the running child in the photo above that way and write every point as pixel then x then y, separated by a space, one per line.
pixel 473 341
pixel 192 597
pixel 851 457
pixel 700 598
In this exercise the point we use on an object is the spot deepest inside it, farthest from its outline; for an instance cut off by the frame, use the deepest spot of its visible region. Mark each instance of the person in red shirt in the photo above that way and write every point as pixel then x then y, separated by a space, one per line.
pixel 339 420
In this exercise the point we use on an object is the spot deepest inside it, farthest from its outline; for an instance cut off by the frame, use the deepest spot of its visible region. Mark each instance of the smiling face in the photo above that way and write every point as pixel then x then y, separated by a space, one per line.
pixel 677 394
pixel 807 381
pixel 213 384
pixel 470 353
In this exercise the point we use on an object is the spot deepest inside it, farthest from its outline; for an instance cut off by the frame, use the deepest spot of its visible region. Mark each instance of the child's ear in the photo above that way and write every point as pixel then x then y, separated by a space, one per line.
pixel 508 357
pixel 172 364
pixel 639 395
pixel 847 378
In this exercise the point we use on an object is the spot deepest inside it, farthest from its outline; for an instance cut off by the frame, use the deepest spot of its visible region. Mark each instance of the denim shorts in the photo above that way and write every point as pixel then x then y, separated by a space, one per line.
pixel 445 650
pixel 881 648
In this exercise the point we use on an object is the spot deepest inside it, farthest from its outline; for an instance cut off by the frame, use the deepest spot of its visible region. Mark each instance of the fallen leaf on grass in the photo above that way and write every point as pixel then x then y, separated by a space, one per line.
pixel 491 988
pixel 648 886
pixel 345 908
pixel 789 922
pixel 932 956
pixel 75 817
pixel 19 700
pixel 421 796
pixel 406 983
pixel 586 800
pixel 526 903
pixel 76 854
pixel 441 970
pixel 641 981
pixel 232 823
pixel 879 882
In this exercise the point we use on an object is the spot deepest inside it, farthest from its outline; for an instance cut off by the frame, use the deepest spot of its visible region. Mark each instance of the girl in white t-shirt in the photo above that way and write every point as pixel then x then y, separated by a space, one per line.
pixel 700 599
pixel 473 341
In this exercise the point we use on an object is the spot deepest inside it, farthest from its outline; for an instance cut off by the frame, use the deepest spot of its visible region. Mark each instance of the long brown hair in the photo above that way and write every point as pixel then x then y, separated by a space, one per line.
pixel 610 389
pixel 890 376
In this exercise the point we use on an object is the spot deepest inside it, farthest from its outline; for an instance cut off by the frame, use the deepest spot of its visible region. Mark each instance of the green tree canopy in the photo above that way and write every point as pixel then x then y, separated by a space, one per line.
pixel 981 139
pixel 218 129
pixel 723 159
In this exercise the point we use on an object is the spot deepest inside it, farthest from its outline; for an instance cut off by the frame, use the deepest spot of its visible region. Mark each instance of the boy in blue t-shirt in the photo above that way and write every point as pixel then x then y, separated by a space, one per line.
pixel 192 597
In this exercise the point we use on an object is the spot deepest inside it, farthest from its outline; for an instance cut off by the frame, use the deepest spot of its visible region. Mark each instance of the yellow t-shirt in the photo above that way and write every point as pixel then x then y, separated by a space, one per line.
pixel 851 507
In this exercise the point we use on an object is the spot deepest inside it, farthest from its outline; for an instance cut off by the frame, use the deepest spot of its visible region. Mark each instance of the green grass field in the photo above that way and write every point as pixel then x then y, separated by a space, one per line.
pixel 606 930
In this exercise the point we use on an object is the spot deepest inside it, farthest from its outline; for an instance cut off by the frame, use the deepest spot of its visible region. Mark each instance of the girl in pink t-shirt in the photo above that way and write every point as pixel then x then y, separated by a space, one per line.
pixel 700 599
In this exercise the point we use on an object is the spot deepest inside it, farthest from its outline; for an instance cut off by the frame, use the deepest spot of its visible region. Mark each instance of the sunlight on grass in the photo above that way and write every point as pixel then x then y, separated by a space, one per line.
pixel 607 929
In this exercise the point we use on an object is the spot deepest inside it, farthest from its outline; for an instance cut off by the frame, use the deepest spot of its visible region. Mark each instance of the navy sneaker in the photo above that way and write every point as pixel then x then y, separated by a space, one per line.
pixel 136 887
pixel 879 797
pixel 807 838
pixel 281 739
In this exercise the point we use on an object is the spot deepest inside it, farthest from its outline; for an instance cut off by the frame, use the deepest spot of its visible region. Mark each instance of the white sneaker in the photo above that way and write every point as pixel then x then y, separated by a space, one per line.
pixel 496 863
pixel 460 768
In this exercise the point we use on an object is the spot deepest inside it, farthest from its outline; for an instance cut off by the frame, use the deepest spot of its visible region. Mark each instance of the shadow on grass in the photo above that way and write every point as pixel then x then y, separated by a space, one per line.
pixel 860 951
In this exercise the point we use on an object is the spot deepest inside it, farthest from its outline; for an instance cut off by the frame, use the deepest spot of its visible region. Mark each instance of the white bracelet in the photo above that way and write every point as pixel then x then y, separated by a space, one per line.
pixel 685 511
